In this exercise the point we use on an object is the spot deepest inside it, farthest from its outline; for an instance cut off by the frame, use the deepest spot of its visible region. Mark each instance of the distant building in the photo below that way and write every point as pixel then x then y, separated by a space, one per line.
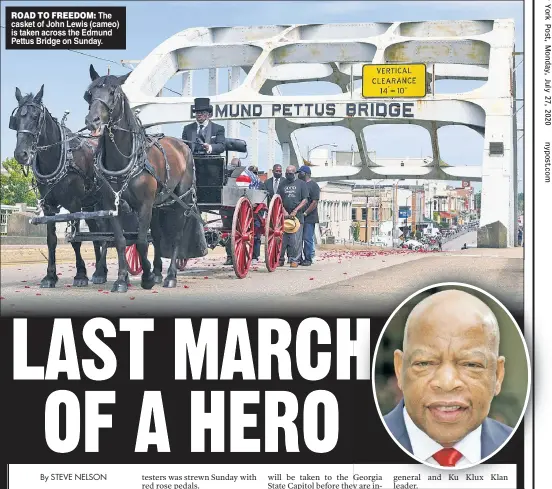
pixel 335 208
pixel 451 206
pixel 374 205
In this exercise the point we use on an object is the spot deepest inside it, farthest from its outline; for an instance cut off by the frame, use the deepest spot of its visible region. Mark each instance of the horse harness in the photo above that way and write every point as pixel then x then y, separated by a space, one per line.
pixel 138 162
pixel 66 161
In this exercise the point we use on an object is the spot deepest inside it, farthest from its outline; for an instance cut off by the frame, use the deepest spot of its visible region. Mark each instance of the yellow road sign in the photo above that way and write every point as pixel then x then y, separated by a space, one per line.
pixel 394 81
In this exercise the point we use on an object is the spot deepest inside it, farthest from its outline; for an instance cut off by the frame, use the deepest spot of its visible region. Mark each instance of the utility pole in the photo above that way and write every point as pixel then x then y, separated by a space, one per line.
pixel 366 224
pixel 394 216
pixel 414 195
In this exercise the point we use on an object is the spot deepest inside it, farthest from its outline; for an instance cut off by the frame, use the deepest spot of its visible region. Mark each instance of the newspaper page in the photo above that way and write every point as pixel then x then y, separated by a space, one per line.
pixel 275 244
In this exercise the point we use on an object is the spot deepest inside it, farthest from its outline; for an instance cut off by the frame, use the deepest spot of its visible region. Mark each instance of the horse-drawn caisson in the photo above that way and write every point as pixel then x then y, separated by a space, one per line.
pixel 133 188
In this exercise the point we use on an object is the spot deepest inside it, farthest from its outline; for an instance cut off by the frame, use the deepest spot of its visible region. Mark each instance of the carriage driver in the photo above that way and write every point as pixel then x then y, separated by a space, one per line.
pixel 210 134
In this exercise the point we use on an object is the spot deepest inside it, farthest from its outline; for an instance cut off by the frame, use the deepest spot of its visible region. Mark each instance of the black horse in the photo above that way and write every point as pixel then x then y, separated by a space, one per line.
pixel 63 167
pixel 140 174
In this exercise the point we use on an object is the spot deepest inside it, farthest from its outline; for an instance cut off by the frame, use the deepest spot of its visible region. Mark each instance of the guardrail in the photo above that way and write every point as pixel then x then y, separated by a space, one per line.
pixel 6 210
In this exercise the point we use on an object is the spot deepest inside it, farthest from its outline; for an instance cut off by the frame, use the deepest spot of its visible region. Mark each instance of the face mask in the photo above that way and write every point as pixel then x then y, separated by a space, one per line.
pixel 302 176
pixel 290 177
pixel 278 174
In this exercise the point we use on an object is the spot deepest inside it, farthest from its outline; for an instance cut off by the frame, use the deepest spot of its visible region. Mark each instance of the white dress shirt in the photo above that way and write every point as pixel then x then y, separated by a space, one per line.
pixel 424 447
pixel 204 125
pixel 276 183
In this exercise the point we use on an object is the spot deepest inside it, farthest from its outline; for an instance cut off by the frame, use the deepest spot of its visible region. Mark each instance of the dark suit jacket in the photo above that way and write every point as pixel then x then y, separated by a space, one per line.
pixel 214 135
pixel 493 433
pixel 269 185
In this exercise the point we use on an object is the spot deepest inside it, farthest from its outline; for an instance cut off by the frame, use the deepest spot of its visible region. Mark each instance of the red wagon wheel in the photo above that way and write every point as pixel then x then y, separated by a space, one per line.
pixel 274 233
pixel 133 260
pixel 242 237
pixel 181 263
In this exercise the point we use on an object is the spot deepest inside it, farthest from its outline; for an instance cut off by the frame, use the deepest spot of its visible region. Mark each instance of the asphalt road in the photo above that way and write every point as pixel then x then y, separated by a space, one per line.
pixel 339 282
pixel 456 244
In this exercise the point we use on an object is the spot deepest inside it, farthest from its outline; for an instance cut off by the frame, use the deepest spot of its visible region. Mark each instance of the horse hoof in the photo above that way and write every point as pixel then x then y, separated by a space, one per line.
pixel 148 282
pixel 158 279
pixel 48 283
pixel 170 283
pixel 120 286
pixel 98 279
pixel 80 282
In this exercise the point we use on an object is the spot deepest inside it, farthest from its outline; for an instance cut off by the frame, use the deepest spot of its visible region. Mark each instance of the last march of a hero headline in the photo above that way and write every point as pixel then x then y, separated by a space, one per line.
pixel 192 356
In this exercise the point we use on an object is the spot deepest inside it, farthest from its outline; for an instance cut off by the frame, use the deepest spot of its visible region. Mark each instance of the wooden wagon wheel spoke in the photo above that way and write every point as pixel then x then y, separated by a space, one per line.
pixel 133 260
pixel 273 233
pixel 181 264
pixel 242 237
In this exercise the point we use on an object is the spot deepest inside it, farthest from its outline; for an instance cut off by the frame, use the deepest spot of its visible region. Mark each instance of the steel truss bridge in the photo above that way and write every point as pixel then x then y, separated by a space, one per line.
pixel 273 55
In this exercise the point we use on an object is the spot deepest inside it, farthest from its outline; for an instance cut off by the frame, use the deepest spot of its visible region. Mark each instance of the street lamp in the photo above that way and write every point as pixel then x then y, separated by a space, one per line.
pixel 319 146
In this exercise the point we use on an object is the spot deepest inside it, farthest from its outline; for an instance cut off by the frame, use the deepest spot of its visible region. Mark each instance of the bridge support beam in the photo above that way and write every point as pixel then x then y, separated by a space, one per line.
pixel 499 170
pixel 187 77
pixel 254 143
pixel 286 155
pixel 498 180
pixel 271 143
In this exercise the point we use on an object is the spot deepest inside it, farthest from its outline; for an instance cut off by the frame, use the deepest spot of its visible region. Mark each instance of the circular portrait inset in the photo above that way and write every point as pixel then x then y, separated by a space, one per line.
pixel 451 376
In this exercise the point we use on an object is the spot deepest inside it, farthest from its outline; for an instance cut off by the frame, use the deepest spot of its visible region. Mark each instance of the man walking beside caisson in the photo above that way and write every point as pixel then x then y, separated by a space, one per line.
pixel 295 196
pixel 311 216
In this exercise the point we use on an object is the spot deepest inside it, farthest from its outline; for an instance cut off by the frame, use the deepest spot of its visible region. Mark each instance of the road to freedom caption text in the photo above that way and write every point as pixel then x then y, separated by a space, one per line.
pixel 66 28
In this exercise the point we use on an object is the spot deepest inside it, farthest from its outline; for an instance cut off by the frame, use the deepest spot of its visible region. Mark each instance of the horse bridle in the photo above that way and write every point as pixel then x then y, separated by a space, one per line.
pixel 112 124
pixel 40 126
pixel 116 96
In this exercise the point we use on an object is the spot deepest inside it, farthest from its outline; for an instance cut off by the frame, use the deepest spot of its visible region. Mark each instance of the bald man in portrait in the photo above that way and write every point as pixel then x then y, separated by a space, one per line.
pixel 449 371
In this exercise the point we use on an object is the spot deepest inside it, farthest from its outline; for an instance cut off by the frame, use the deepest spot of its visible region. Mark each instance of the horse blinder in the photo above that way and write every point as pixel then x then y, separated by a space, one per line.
pixel 13 123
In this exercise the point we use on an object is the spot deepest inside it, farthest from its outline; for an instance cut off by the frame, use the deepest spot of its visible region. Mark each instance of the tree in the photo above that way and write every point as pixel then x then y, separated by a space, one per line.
pixel 356 231
pixel 16 187
pixel 521 202
pixel 477 200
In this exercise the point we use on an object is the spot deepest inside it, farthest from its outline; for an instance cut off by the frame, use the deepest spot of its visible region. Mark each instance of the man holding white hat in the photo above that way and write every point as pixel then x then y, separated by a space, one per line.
pixel 295 195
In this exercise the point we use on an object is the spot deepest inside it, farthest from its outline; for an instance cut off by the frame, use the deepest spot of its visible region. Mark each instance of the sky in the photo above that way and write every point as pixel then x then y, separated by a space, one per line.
pixel 65 74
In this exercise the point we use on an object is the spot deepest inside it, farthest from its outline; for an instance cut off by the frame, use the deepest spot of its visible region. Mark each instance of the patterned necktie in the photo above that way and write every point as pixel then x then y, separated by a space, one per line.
pixel 447 457
pixel 276 181
pixel 200 132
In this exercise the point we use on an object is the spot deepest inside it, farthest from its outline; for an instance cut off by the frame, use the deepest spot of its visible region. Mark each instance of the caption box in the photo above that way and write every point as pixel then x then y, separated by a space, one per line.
pixel 65 28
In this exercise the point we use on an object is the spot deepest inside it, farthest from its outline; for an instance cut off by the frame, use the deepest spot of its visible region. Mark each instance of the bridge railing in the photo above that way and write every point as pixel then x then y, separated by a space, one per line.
pixel 6 210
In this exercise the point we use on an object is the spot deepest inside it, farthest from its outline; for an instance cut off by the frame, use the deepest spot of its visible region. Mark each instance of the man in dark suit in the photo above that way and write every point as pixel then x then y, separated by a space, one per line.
pixel 273 183
pixel 211 135
pixel 449 371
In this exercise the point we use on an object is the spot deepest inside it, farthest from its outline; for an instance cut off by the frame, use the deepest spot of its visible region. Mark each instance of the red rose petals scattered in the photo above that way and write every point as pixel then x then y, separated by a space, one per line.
pixel 2 298
pixel 312 278
pixel 23 281
pixel 100 290
pixel 154 292
pixel 38 294
pixel 27 287
pixel 186 287
pixel 205 278
pixel 132 298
